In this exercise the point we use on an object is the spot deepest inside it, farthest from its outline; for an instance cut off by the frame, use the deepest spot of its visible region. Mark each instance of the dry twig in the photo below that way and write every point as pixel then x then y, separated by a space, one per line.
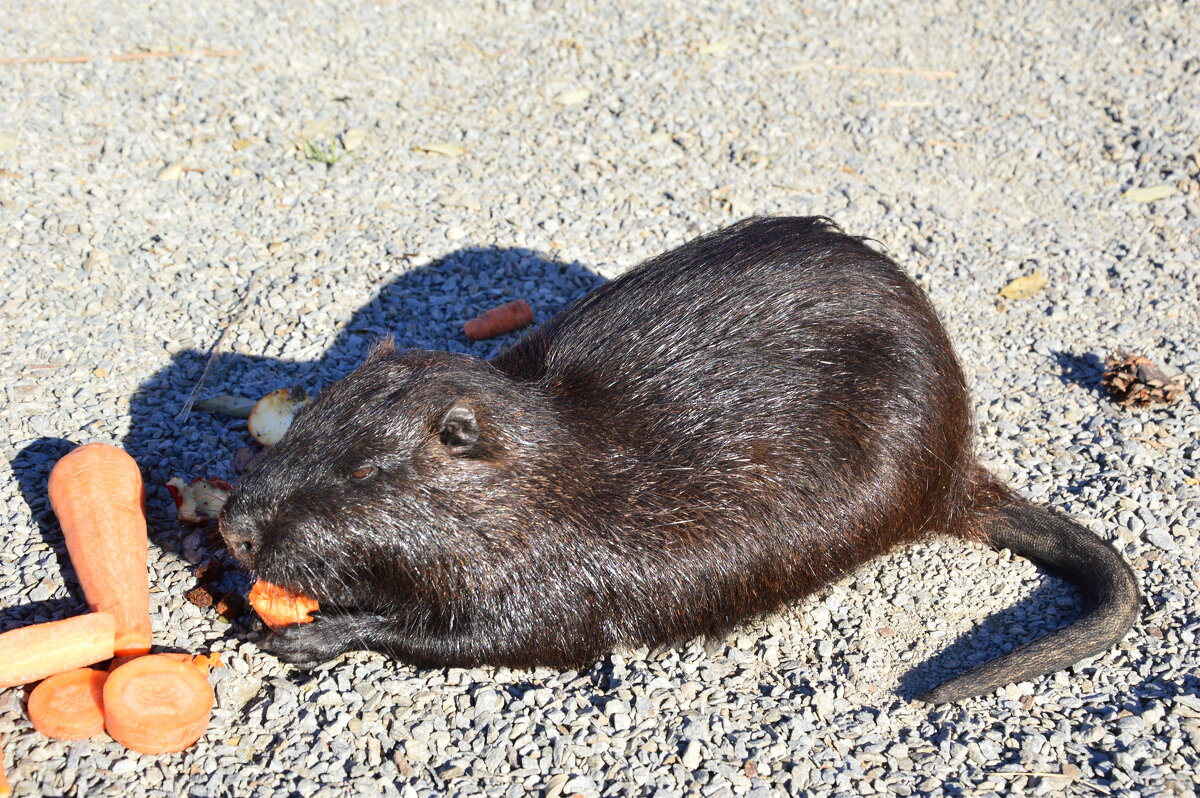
pixel 1048 775
pixel 927 74
pixel 212 352
pixel 83 59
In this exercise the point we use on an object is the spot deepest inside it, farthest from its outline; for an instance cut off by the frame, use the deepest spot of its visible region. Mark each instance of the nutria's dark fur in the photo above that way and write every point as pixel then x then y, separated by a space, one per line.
pixel 721 430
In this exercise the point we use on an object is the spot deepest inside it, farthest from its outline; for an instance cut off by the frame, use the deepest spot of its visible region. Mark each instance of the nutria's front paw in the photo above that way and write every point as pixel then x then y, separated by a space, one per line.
pixel 307 645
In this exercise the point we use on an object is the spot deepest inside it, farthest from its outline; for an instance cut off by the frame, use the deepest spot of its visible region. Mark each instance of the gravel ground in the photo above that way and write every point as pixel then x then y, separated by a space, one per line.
pixel 514 149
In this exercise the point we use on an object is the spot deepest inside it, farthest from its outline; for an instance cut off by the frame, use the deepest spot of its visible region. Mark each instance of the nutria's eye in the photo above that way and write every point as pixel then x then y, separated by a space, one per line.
pixel 363 472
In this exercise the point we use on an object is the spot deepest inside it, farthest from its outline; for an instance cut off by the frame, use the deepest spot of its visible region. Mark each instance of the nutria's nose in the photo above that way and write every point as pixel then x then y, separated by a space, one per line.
pixel 240 538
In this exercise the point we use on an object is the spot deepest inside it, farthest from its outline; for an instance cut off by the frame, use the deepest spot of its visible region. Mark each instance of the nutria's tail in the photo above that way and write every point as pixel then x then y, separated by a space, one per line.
pixel 1110 593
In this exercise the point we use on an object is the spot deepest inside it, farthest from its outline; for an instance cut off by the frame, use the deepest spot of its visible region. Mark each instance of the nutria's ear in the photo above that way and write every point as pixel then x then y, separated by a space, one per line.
pixel 459 429
pixel 383 347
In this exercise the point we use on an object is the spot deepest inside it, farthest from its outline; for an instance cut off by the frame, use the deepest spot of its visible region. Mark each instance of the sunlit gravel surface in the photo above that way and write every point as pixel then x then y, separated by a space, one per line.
pixel 154 208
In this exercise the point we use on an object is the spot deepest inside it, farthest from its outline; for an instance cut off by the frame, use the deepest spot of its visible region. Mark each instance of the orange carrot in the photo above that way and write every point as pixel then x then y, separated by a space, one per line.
pixel 278 606
pixel 204 663
pixel 96 491
pixel 499 320
pixel 44 649
pixel 157 704
pixel 5 789
pixel 121 660
pixel 69 705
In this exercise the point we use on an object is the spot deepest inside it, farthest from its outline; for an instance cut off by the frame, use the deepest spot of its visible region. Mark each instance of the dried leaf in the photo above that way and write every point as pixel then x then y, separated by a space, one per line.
pixel 573 97
pixel 715 48
pixel 1150 193
pixel 457 199
pixel 1025 287
pixel 452 150
pixel 319 129
pixel 242 144
pixel 353 138
pixel 170 173
pixel 226 405
pixel 1134 381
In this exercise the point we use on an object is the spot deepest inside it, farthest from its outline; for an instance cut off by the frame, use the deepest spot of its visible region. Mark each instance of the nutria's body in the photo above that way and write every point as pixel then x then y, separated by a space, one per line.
pixel 721 430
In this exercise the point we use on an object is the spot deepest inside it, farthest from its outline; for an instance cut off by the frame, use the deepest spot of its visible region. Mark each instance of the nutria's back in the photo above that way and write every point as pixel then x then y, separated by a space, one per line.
pixel 777 362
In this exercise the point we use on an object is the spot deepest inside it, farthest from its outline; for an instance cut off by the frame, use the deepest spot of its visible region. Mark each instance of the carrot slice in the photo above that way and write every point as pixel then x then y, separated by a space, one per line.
pixel 69 705
pixel 278 606
pixel 44 649
pixel 157 704
pixel 97 493
pixel 499 320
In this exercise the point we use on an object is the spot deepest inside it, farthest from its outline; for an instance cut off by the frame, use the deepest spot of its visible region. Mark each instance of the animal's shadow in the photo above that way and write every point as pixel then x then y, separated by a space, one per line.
pixel 413 308
pixel 993 636
pixel 1083 370
pixel 31 467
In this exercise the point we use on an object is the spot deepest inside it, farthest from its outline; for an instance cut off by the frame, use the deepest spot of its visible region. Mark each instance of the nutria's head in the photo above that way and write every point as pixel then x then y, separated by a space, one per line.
pixel 384 487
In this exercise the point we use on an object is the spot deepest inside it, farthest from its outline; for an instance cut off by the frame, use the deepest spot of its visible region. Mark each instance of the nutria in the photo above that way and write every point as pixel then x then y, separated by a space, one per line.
pixel 721 430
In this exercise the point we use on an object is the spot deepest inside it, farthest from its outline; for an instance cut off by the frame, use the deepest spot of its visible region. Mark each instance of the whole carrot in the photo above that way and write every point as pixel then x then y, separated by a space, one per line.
pixel 499 320
pixel 44 649
pixel 97 493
